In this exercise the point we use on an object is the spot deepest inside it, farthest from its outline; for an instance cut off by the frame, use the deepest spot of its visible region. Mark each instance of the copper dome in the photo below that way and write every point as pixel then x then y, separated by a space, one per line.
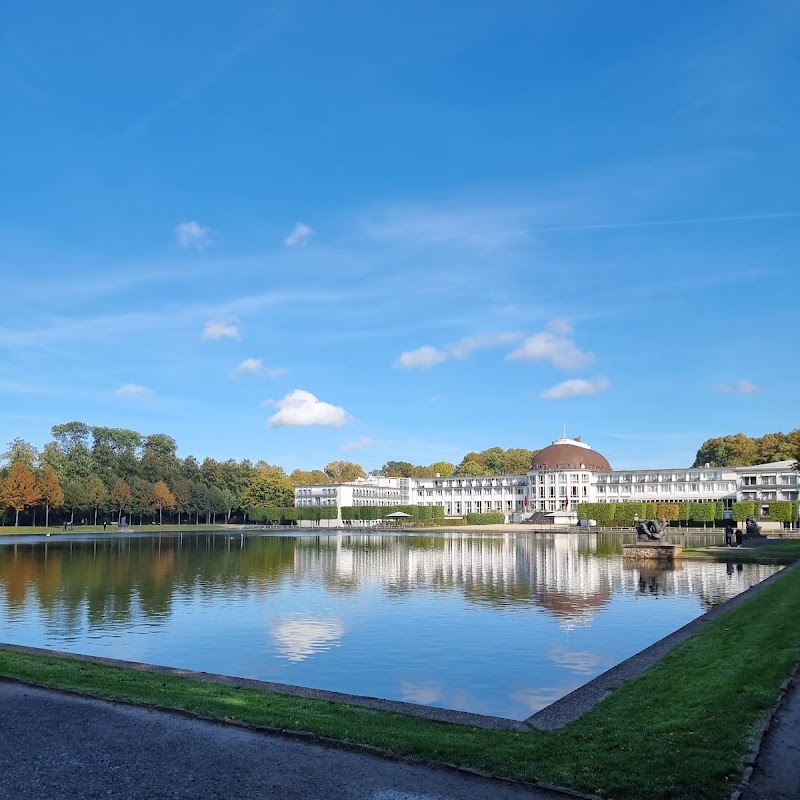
pixel 569 454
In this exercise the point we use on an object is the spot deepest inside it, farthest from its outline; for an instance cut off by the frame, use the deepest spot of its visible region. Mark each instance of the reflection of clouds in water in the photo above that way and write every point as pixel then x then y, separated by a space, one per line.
pixel 423 692
pixel 537 699
pixel 581 662
pixel 300 637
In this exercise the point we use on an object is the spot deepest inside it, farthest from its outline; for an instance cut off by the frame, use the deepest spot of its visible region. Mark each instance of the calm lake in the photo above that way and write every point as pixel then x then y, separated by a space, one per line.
pixel 499 624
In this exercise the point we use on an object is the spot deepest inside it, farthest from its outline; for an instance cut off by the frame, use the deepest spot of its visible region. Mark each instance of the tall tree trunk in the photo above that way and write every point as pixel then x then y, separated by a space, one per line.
pixel 46 515
pixel 33 524
pixel 159 515
pixel 16 518
pixel 95 516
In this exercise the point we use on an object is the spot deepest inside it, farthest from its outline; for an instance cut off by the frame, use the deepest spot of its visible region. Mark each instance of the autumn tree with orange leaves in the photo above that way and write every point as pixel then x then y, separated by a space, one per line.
pixel 50 492
pixel 19 489
pixel 163 497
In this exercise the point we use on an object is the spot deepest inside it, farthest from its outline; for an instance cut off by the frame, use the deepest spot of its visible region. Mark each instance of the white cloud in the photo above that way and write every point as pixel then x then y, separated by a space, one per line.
pixel 469 344
pixel 221 329
pixel 255 366
pixel 428 356
pixel 301 408
pixel 421 358
pixel 742 387
pixel 361 443
pixel 561 326
pixel 300 235
pixel 577 387
pixel 130 389
pixel 552 345
pixel 251 366
pixel 192 235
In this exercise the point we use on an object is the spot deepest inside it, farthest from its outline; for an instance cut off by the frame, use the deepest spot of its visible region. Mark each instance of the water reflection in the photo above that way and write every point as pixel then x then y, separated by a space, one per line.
pixel 501 624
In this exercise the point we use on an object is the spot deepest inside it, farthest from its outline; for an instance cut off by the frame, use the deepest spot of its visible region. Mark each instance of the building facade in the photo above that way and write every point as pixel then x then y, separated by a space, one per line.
pixel 563 475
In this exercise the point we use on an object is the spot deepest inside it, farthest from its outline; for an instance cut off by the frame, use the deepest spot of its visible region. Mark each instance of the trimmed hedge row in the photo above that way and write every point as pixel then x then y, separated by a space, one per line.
pixel 489 518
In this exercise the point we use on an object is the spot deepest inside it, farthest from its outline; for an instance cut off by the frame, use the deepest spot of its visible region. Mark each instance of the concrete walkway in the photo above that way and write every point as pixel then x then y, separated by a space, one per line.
pixel 777 772
pixel 54 745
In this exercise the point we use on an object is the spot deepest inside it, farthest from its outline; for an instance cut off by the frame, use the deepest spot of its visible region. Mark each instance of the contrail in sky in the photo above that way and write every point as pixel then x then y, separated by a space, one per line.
pixel 618 225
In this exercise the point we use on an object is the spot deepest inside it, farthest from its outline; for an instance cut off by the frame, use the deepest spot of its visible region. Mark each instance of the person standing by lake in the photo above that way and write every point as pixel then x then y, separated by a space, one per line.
pixel 728 535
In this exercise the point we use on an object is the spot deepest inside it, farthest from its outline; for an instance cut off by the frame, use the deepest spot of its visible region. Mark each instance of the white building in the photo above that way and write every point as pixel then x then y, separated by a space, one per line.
pixel 562 475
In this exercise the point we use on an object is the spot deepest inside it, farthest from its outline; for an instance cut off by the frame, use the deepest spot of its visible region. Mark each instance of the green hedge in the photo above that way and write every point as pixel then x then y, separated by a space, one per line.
pixel 490 518
pixel 782 511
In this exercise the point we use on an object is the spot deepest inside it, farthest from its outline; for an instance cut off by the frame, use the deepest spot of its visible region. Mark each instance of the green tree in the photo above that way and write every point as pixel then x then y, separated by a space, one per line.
pixel 19 489
pixel 76 498
pixel 736 450
pixel 344 471
pixel 183 497
pixel 444 468
pixel 312 477
pixel 120 496
pixel 142 499
pixel 781 511
pixel 20 451
pixel 159 462
pixel 96 494
pixel 472 464
pixel 398 469
pixel 742 510
pixel 774 447
pixel 50 492
pixel 270 488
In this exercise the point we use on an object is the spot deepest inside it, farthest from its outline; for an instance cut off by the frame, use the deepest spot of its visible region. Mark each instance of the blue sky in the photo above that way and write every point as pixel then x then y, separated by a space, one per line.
pixel 305 231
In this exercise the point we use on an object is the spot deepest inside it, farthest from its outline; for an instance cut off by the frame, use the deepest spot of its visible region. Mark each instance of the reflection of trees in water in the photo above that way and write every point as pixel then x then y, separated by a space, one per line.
pixel 114 580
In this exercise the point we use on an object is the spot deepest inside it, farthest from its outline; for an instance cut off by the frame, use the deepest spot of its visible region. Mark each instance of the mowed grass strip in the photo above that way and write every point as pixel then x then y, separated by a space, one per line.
pixel 784 550
pixel 680 730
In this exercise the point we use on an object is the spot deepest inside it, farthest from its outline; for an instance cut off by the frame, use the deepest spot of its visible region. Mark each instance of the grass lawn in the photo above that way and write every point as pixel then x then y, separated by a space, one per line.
pixel 10 530
pixel 680 730
pixel 780 550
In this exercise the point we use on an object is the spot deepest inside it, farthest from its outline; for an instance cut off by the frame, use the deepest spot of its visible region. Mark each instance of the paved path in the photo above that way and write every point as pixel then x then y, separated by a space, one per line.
pixel 777 773
pixel 54 745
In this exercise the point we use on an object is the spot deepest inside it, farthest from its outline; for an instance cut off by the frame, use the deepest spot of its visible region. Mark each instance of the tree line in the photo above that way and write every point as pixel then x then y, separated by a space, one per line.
pixel 739 450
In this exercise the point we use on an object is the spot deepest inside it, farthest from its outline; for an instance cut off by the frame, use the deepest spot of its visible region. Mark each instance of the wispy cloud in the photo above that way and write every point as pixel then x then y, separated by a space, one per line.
pixel 299 235
pixel 742 387
pixel 576 387
pixel 553 345
pixel 255 366
pixel 480 227
pixel 301 408
pixel 429 356
pixel 192 235
pixel 221 329
pixel 133 389
pixel 421 358
pixel 362 443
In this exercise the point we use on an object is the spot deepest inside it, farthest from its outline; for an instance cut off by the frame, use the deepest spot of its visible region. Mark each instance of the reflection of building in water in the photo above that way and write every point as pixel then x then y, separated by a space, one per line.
pixel 569 576
pixel 552 572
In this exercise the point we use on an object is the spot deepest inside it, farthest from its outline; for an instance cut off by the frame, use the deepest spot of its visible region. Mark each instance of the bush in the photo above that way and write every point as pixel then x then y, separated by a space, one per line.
pixel 741 511
pixel 453 523
pixel 490 518
pixel 781 511
pixel 625 513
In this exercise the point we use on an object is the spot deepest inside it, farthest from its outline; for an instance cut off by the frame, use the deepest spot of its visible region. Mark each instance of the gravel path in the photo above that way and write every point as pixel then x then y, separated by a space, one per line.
pixel 777 773
pixel 55 745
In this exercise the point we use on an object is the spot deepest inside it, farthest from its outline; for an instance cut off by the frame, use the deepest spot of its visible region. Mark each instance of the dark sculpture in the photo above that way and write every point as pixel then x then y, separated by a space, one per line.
pixel 649 530
pixel 752 529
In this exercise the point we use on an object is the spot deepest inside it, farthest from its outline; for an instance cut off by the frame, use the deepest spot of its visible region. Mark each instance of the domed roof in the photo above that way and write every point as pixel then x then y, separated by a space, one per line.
pixel 569 454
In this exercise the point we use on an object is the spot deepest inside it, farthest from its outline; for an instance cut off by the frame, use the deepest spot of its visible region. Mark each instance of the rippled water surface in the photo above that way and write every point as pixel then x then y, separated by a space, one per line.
pixel 497 624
